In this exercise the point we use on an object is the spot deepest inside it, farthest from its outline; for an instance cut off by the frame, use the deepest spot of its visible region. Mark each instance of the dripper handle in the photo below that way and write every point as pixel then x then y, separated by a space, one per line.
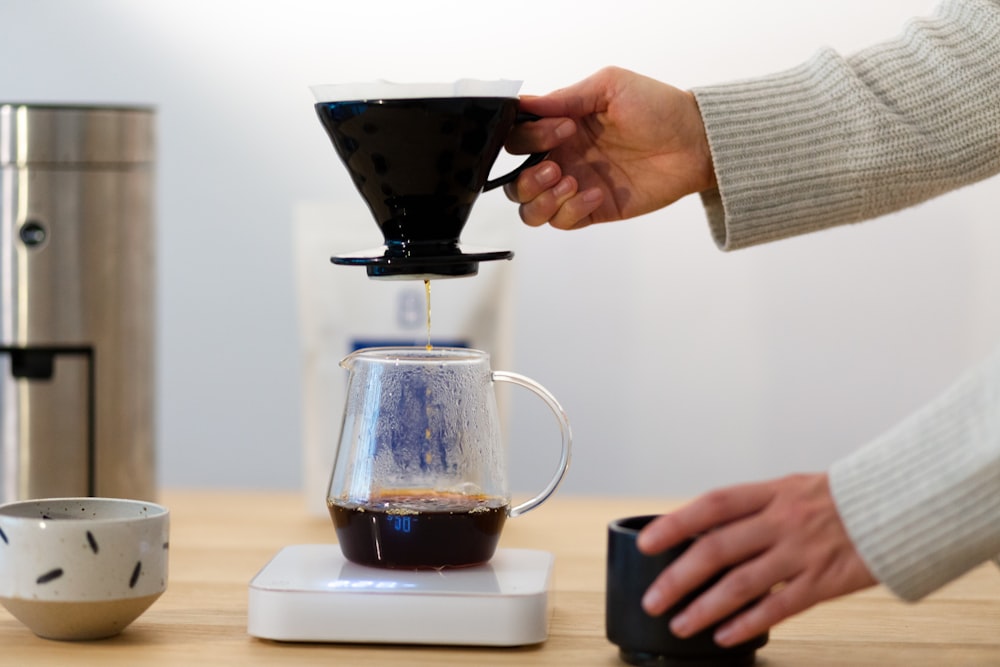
pixel 532 160
pixel 564 430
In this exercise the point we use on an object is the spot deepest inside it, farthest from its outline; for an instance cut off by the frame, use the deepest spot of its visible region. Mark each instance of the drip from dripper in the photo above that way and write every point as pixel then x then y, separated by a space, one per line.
pixel 427 290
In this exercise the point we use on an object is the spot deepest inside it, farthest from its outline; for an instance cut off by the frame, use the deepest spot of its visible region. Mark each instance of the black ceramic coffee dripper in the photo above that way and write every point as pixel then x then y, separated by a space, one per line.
pixel 419 164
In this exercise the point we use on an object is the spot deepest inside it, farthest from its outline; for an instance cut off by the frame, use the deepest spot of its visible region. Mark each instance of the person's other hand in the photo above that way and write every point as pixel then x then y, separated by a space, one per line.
pixel 619 145
pixel 785 542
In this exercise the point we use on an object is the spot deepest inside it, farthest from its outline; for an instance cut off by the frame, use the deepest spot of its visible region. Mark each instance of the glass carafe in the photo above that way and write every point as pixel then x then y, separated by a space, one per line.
pixel 420 477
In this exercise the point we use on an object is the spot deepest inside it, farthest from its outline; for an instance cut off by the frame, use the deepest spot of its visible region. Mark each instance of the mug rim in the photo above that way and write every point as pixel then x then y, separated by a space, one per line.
pixel 16 511
pixel 632 525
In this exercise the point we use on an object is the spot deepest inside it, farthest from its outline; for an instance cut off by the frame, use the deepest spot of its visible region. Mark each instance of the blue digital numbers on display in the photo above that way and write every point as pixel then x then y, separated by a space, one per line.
pixel 401 524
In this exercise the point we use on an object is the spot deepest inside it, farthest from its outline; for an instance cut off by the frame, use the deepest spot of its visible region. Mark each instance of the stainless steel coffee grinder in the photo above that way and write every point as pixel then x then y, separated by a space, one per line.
pixel 76 301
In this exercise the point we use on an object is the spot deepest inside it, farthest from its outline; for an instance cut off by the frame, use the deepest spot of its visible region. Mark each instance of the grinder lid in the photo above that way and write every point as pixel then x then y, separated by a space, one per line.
pixel 76 134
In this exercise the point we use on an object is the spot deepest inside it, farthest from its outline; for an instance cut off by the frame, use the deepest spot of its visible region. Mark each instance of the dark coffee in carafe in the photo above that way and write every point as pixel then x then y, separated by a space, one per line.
pixel 419 163
pixel 419 529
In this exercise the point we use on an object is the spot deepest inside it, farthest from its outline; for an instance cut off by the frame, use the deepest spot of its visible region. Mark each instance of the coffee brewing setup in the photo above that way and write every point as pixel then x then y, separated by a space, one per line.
pixel 418 494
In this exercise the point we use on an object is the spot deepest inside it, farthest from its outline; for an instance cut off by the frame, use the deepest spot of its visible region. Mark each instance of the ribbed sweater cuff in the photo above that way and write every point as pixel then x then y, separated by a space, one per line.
pixel 921 503
pixel 772 140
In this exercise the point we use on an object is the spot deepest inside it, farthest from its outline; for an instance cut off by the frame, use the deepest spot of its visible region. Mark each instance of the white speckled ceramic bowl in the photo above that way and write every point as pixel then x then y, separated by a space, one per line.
pixel 82 568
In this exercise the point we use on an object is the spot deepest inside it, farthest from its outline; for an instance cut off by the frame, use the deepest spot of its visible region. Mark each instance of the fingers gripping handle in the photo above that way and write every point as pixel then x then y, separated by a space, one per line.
pixel 564 430
pixel 531 161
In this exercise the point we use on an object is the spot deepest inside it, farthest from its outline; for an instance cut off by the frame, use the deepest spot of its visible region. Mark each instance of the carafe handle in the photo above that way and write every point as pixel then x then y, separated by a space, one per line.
pixel 564 430
pixel 531 161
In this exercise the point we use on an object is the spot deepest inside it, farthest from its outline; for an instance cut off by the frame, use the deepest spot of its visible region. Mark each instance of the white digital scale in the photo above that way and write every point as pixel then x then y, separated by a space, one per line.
pixel 311 593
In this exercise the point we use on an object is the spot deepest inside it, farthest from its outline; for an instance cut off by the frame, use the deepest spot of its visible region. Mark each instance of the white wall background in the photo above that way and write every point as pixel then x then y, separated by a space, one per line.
pixel 681 367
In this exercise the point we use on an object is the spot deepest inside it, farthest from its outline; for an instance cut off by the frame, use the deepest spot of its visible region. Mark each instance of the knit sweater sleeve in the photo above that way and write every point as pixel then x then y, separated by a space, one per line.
pixel 839 140
pixel 922 502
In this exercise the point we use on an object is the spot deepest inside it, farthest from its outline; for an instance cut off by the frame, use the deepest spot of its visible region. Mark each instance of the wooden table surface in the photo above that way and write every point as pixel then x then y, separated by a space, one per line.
pixel 220 540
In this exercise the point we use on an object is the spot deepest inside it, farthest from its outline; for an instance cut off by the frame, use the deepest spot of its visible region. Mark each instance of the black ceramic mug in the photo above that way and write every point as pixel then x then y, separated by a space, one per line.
pixel 647 640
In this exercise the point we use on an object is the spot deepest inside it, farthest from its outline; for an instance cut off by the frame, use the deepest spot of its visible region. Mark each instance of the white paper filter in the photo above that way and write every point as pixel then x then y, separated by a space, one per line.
pixel 390 90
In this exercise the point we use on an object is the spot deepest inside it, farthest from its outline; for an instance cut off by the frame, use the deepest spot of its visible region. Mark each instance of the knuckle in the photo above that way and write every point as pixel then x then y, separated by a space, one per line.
pixel 668 524
pixel 562 222
pixel 564 216
pixel 780 605
pixel 529 217
pixel 537 211
pixel 667 582
pixel 711 551
pixel 778 608
pixel 785 516
pixel 715 503
pixel 740 586
pixel 510 192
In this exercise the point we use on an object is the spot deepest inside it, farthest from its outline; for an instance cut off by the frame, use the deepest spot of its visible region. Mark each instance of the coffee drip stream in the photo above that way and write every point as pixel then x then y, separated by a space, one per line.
pixel 420 161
